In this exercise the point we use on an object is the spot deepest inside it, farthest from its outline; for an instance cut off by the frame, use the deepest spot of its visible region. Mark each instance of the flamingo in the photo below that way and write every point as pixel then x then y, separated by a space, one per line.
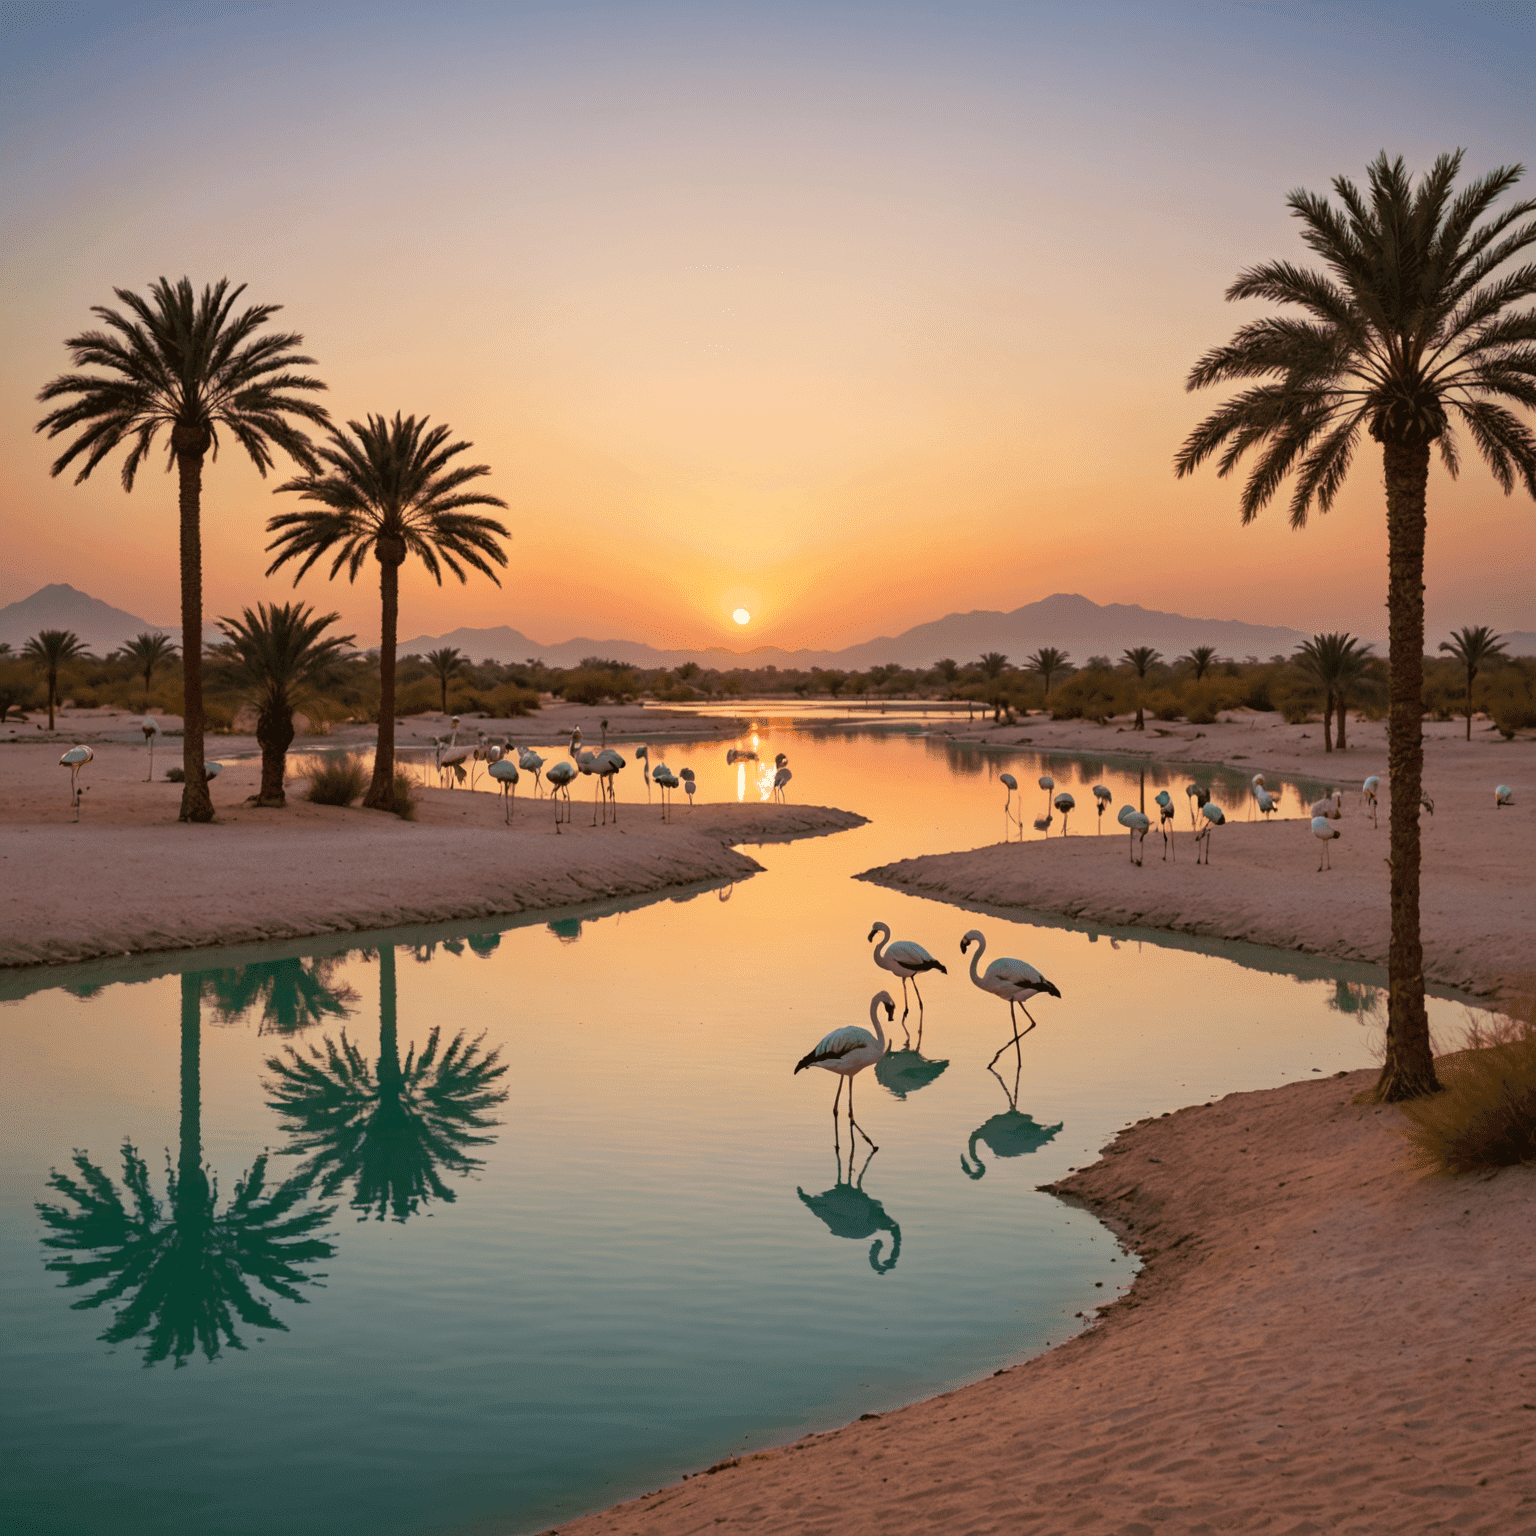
pixel 1329 806
pixel 1214 817
pixel 847 1051
pixel 1368 791
pixel 1503 795
pixel 151 729
pixel 1324 829
pixel 1197 801
pixel 907 960
pixel 560 776
pixel 1012 980
pixel 1047 783
pixel 530 762
pixel 1066 805
pixel 1267 802
pixel 1255 789
pixel 739 755
pixel 780 779
pixel 504 771
pixel 668 782
pixel 1165 816
pixel 643 755
pixel 781 760
pixel 1102 795
pixel 76 759
pixel 1138 824
pixel 689 786
pixel 606 765
pixel 1011 784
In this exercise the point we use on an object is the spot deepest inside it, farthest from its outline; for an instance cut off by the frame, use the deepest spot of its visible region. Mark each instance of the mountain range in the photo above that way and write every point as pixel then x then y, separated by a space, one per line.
pixel 1066 620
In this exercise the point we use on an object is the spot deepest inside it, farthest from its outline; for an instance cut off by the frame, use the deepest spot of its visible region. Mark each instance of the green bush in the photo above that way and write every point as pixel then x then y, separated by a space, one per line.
pixel 335 780
pixel 1510 697
pixel 423 697
pixel 405 796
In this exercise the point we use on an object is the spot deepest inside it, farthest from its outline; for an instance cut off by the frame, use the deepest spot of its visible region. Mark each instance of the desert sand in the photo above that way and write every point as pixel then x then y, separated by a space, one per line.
pixel 1319 1341
pixel 1263 884
pixel 129 878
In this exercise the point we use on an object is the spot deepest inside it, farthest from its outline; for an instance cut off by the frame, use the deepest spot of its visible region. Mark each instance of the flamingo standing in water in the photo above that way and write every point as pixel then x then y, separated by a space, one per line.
pixel 847 1051
pixel 780 779
pixel 1012 980
pixel 1138 824
pixel 1197 800
pixel 905 959
pixel 1324 829
pixel 1047 783
pixel 530 762
pixel 1102 795
pixel 1066 805
pixel 1011 784
pixel 1214 817
pixel 643 755
pixel 1267 802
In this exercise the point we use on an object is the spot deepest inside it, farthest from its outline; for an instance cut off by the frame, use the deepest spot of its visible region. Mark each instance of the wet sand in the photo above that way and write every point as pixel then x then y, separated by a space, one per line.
pixel 1319 1341
pixel 1263 883
pixel 129 878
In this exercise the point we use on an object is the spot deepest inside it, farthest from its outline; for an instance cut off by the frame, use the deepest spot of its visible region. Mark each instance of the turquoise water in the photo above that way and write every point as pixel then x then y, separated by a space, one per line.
pixel 544 1217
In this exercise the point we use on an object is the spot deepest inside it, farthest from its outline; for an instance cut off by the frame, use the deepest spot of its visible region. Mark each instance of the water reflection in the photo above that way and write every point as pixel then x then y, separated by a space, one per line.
pixel 1010 1133
pixel 394 1130
pixel 293 994
pixel 184 1271
pixel 849 1212
pixel 904 1072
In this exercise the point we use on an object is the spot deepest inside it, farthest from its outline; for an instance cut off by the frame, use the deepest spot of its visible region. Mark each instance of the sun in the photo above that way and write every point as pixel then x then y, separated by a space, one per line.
pixel 742 616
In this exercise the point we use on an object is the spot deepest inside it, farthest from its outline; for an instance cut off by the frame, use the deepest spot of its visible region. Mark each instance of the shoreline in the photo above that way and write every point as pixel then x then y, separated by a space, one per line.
pixel 1292 1355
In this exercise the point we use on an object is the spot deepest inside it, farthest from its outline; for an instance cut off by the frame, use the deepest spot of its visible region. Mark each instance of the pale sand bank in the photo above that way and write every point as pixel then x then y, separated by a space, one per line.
pixel 1319 1341
pixel 1263 885
pixel 129 878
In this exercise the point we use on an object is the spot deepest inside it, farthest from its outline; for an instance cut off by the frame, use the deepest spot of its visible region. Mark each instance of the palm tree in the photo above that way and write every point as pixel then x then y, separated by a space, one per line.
pixel 1474 649
pixel 447 664
pixel 147 652
pixel 1356 681
pixel 50 649
pixel 186 1273
pixel 1332 661
pixel 992 665
pixel 387 1130
pixel 1141 659
pixel 277 656
pixel 1048 661
pixel 389 488
pixel 1408 326
pixel 1200 659
pixel 190 365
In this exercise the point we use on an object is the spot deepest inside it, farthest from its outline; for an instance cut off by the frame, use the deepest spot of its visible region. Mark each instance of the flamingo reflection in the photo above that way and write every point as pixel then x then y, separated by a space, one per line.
pixel 1008 1134
pixel 849 1212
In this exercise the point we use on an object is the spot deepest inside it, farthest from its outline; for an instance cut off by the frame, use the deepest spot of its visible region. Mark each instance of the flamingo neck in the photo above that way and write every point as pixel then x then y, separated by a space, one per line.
pixel 885 938
pixel 874 1018
pixel 981 944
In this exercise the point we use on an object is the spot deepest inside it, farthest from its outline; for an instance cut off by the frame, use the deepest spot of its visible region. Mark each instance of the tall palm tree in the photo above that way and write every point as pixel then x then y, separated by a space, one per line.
pixel 184 1274
pixel 1474 649
pixel 277 655
pixel 49 650
pixel 1409 325
pixel 1333 661
pixel 391 1130
pixel 992 665
pixel 1200 659
pixel 147 652
pixel 1048 661
pixel 1141 659
pixel 446 663
pixel 1357 681
pixel 185 362
pixel 389 488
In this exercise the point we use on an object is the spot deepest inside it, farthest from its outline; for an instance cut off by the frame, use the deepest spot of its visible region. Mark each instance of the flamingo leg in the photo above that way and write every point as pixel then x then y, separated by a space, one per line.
pixel 854 1124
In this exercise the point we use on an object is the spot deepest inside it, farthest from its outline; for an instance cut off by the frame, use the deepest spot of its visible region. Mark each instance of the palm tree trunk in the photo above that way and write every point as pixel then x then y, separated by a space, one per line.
pixel 381 792
pixel 1328 721
pixel 274 735
pixel 196 803
pixel 1470 676
pixel 190 1161
pixel 1343 716
pixel 53 689
pixel 1409 1068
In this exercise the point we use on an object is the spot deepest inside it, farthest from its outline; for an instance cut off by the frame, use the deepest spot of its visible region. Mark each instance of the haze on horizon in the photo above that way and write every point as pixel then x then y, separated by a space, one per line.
pixel 846 316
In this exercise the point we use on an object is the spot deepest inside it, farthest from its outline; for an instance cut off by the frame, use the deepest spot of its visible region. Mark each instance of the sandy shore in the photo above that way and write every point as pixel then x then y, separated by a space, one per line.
pixel 129 878
pixel 1319 1342
pixel 1262 884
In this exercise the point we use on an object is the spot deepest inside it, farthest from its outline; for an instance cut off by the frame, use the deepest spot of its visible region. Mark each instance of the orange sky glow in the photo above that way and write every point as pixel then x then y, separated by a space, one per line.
pixel 846 317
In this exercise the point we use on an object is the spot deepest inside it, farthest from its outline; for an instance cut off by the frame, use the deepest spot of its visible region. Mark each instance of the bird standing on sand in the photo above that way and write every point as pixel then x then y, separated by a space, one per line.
pixel 606 766
pixel 1331 806
pixel 1214 817
pixel 905 959
pixel 1503 795
pixel 1165 820
pixel 1324 829
pixel 1368 792
pixel 1138 824
pixel 1197 800
pixel 847 1051
pixel 1102 795
pixel 560 776
pixel 1012 980
pixel 151 729
pixel 504 771
pixel 667 781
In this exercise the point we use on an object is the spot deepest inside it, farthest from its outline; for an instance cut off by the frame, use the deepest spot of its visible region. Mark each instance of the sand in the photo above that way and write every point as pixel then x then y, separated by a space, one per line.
pixel 1262 884
pixel 129 878
pixel 1319 1341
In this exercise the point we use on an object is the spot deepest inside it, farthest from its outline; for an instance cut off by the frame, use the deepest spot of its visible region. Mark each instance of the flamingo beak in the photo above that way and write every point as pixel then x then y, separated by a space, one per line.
pixel 872 933
pixel 965 944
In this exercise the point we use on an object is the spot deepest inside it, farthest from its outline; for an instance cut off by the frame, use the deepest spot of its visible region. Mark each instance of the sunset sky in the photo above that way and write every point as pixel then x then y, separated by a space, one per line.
pixel 848 315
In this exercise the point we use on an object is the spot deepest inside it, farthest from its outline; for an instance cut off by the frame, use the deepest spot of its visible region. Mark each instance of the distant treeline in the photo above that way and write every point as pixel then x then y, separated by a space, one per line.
pixel 1194 688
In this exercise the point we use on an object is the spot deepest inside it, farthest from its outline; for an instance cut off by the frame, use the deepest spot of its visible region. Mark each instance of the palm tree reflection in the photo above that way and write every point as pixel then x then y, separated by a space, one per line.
pixel 849 1212
pixel 1009 1134
pixel 393 1130
pixel 185 1272
pixel 292 994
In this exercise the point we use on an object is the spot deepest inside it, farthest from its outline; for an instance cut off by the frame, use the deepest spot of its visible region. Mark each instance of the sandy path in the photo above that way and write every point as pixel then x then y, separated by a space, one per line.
pixel 1318 1342
pixel 129 878
pixel 1262 884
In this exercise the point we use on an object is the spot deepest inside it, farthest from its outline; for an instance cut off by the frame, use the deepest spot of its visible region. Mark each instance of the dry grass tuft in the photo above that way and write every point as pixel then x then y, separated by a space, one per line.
pixel 1486 1117
pixel 335 780
pixel 405 797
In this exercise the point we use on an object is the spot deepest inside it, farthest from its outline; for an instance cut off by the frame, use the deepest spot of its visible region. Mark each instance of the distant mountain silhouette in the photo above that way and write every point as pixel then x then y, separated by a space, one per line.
pixel 61 606
pixel 1067 620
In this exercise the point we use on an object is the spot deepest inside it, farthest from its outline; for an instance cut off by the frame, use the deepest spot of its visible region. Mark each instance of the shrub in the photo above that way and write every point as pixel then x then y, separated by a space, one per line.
pixel 1486 1117
pixel 335 780
pixel 419 698
pixel 405 796
pixel 508 700
pixel 1510 697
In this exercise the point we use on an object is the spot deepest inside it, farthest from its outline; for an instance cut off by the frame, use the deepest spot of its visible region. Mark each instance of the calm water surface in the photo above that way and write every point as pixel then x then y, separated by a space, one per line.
pixel 453 1230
